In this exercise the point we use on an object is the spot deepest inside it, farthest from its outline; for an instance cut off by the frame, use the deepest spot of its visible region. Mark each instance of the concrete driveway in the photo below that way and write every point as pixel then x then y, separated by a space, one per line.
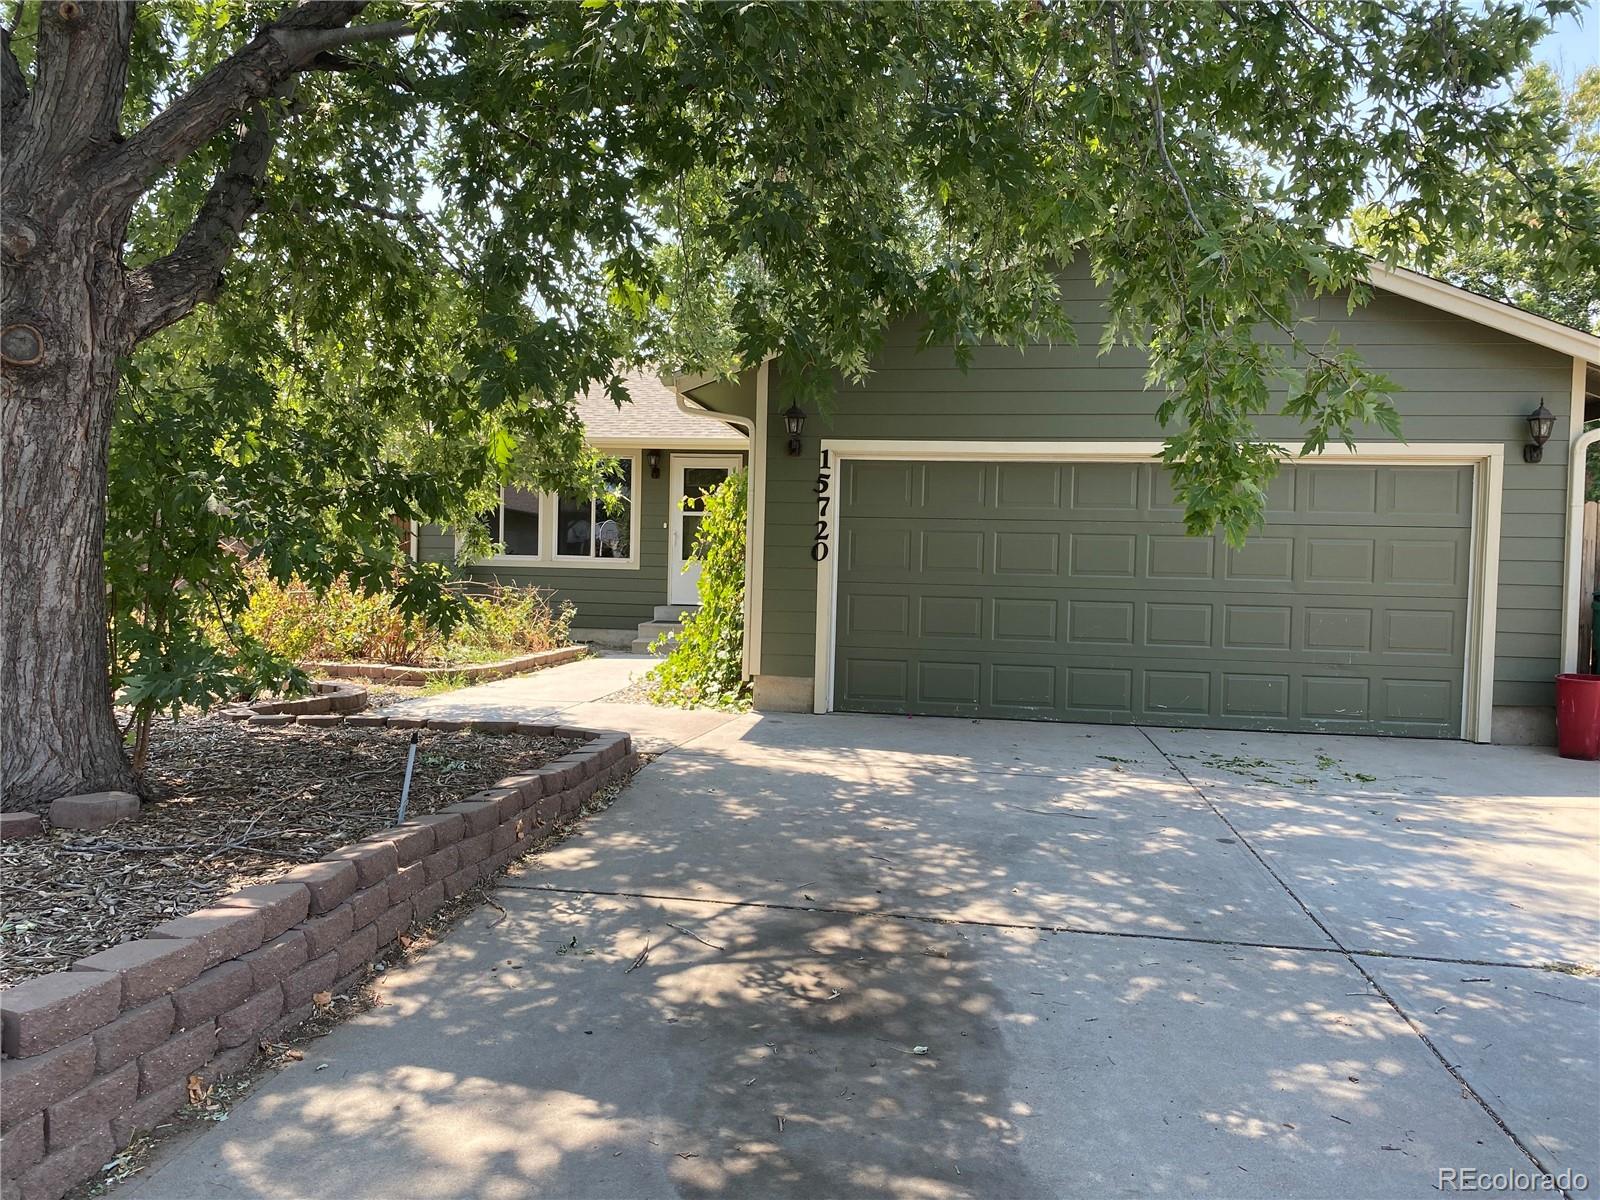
pixel 928 959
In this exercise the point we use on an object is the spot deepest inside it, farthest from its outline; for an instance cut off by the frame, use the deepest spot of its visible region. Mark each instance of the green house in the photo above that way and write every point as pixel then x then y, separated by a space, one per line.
pixel 1000 542
pixel 625 563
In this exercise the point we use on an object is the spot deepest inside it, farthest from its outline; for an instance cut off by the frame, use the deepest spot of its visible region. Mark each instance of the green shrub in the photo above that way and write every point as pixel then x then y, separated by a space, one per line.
pixel 706 660
pixel 344 623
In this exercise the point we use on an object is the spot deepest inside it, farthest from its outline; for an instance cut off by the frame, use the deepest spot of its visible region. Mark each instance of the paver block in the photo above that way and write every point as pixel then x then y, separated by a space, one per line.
pixel 59 1173
pixel 448 828
pixel 374 861
pixel 428 901
pixel 282 905
pixel 396 919
pixel 322 720
pixel 367 721
pixel 466 877
pixel 358 949
pixel 407 882
pixel 23 1145
pixel 30 1085
pixel 240 1025
pixel 368 904
pixel 17 825
pixel 316 976
pixel 325 933
pixel 148 1112
pixel 331 883
pixel 274 962
pixel 536 729
pixel 529 785
pixel 81 1115
pixel 228 1061
pixel 476 849
pixel 442 862
pixel 480 816
pixel 93 810
pixel 47 1011
pixel 272 720
pixel 148 967
pixel 174 1059
pixel 216 991
pixel 411 842
pixel 224 932
pixel 134 1033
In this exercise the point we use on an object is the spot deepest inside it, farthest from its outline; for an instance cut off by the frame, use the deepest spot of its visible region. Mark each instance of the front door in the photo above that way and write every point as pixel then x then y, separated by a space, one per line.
pixel 692 476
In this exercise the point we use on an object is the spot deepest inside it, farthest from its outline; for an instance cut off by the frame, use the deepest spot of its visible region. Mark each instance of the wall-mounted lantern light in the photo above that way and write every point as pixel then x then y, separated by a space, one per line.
pixel 1541 424
pixel 794 420
pixel 653 457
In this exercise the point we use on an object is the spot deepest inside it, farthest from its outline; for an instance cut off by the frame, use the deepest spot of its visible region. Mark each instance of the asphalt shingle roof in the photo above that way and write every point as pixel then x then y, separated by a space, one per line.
pixel 654 415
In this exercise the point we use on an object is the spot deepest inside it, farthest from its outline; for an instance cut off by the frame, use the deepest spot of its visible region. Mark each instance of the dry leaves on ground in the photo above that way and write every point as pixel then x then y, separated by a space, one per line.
pixel 232 805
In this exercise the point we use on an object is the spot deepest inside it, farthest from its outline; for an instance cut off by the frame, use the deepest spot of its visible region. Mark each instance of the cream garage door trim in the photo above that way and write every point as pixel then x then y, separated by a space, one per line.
pixel 1488 459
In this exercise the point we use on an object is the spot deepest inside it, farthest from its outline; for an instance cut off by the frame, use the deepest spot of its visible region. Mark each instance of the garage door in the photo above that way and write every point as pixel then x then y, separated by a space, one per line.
pixel 1069 592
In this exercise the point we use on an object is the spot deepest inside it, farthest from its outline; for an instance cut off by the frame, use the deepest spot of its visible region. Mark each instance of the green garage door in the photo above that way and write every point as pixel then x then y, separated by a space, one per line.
pixel 1069 592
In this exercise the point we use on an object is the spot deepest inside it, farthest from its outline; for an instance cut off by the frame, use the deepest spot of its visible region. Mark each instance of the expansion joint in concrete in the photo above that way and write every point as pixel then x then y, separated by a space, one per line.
pixel 1354 959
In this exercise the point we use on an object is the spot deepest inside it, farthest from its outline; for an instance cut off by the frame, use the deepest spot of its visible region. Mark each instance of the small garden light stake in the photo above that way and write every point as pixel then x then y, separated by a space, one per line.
pixel 405 788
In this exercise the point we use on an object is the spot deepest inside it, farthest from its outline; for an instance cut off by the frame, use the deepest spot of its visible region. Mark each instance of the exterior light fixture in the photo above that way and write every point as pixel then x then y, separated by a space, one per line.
pixel 1541 424
pixel 654 458
pixel 794 420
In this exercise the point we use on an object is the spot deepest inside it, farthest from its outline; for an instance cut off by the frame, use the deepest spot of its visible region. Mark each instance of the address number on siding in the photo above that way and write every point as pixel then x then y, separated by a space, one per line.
pixel 824 489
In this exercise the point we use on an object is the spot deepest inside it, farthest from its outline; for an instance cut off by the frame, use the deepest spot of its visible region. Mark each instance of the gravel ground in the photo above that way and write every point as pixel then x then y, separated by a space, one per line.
pixel 230 805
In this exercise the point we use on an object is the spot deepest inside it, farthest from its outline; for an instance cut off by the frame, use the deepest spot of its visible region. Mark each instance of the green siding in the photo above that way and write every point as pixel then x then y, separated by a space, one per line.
pixel 1462 383
pixel 604 598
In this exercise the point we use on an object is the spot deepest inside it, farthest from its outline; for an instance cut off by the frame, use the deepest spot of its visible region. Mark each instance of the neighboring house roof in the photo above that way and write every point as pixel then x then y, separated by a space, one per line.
pixel 653 419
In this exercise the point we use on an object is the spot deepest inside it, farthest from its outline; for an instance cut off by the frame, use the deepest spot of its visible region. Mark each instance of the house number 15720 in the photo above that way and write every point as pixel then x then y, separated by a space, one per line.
pixel 824 490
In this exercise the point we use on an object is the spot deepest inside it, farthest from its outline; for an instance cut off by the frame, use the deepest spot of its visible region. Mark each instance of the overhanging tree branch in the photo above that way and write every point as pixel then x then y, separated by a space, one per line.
pixel 275 54
pixel 169 288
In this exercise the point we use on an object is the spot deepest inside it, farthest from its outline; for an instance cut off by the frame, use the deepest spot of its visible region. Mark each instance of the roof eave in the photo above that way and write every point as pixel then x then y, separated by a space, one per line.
pixel 1530 327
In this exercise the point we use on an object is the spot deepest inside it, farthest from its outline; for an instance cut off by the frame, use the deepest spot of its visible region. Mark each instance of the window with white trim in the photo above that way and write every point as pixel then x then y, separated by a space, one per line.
pixel 515 524
pixel 598 526
pixel 598 530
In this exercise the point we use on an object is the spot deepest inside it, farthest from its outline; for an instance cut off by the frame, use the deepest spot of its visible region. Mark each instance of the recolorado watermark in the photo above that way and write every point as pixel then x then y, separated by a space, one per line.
pixel 1471 1179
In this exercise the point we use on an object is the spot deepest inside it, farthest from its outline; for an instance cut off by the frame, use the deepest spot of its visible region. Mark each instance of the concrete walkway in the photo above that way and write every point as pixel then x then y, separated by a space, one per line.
pixel 575 693
pixel 927 959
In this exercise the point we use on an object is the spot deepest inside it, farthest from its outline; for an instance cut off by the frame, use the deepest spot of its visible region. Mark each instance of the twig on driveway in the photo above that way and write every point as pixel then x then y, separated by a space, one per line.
pixel 698 938
pixel 643 954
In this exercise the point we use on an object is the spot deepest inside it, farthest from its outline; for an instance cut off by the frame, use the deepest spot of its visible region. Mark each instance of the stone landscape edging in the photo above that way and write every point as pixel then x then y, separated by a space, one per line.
pixel 327 697
pixel 471 672
pixel 105 1048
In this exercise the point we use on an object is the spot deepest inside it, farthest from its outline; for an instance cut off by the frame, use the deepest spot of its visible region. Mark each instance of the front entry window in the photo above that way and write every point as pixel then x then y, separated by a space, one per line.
pixel 599 526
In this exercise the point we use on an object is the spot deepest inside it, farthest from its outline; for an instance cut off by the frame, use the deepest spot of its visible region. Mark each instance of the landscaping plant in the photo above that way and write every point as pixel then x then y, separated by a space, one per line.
pixel 341 622
pixel 704 662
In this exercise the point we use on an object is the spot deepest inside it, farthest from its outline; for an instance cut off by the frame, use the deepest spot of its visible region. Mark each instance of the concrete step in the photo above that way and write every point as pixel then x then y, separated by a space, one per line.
pixel 672 612
pixel 650 630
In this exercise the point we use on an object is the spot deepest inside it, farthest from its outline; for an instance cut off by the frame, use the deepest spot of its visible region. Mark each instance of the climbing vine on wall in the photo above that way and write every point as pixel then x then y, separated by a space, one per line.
pixel 705 663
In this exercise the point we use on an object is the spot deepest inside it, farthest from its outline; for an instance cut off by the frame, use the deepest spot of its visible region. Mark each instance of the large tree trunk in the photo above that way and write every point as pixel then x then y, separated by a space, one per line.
pixel 69 179
pixel 57 731
pixel 63 295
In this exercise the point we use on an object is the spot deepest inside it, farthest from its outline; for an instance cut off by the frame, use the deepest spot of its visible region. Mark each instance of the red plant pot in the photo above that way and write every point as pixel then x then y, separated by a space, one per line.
pixel 1578 716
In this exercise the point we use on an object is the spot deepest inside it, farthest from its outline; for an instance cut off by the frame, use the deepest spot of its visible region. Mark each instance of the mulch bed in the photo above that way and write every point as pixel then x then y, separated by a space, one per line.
pixel 232 805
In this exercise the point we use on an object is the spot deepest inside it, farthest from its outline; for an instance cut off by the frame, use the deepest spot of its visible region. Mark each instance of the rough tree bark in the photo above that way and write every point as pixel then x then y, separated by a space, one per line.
pixel 62 277
pixel 69 181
